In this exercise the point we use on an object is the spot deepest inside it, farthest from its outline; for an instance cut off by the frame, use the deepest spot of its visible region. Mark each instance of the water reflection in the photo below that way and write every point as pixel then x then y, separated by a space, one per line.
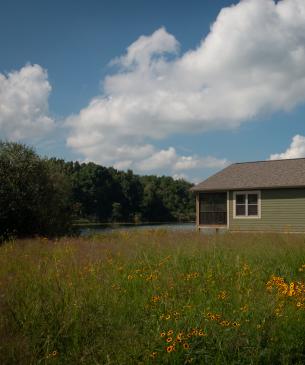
pixel 104 228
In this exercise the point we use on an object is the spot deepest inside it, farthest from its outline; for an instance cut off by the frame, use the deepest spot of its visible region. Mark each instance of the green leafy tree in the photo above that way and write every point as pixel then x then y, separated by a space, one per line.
pixel 34 195
pixel 94 188
pixel 116 212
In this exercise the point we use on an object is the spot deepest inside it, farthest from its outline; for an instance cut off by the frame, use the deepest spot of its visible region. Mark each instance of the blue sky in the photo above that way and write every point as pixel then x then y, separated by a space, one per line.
pixel 174 102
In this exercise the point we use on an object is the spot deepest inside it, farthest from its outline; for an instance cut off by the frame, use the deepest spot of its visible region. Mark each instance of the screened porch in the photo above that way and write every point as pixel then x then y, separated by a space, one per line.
pixel 213 209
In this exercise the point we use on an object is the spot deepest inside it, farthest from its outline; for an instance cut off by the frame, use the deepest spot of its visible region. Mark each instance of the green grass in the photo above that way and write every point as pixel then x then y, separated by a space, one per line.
pixel 109 298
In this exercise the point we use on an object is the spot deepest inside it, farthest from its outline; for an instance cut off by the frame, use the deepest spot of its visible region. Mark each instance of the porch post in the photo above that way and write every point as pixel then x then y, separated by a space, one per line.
pixel 197 210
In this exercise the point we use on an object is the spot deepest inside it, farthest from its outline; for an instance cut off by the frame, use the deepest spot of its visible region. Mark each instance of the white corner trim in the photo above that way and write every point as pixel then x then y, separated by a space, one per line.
pixel 258 192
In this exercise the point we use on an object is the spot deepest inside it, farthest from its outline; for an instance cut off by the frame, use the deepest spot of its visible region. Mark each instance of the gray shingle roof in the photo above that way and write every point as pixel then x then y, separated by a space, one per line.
pixel 259 174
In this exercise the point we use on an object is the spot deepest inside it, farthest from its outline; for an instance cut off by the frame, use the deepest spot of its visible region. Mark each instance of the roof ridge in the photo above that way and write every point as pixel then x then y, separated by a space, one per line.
pixel 280 159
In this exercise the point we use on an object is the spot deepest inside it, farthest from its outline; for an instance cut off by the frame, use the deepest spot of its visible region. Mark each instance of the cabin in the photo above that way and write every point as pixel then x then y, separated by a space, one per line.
pixel 254 196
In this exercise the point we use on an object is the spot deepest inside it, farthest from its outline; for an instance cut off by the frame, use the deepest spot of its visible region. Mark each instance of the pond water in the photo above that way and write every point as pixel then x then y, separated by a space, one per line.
pixel 104 228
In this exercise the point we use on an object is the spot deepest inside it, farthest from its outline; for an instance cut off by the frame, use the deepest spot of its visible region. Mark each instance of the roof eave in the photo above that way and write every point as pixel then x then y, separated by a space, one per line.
pixel 198 189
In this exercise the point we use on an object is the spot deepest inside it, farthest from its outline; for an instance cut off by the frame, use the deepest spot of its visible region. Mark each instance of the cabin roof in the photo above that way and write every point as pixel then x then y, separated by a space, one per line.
pixel 258 174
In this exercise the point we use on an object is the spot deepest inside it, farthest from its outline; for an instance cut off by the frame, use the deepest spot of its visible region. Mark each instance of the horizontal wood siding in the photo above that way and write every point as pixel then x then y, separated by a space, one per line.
pixel 281 210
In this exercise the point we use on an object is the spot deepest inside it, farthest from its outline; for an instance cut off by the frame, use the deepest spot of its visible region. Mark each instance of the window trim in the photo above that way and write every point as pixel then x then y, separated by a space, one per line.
pixel 247 192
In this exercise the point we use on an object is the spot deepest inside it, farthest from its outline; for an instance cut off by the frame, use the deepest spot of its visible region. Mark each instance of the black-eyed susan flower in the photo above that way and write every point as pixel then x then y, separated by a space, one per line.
pixel 179 336
pixel 169 339
pixel 162 334
pixel 186 346
pixel 201 333
pixel 153 354
pixel 170 348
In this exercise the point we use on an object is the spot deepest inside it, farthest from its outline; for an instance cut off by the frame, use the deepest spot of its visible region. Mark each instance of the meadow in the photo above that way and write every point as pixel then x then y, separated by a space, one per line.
pixel 153 297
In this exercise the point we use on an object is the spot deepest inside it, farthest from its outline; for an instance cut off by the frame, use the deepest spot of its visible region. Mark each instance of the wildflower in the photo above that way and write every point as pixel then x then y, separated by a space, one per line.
pixel 167 317
pixel 244 308
pixel 169 339
pixel 170 348
pixel 186 346
pixel 153 354
pixel 222 295
pixel 291 289
pixel 155 299
pixel 170 332
pixel 236 324
pixel 162 334
pixel 302 268
pixel 225 323
pixel 54 353
pixel 202 333
pixel 214 317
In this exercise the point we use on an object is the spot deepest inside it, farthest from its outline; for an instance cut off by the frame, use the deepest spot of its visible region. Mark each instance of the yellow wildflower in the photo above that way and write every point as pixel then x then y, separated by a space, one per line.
pixel 186 346
pixel 170 348
pixel 202 333
pixel 155 298
pixel 244 308
pixel 225 323
pixel 153 354
pixel 222 295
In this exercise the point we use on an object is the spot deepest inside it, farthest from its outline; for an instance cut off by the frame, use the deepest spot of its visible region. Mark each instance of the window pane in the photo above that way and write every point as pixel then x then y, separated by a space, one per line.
pixel 252 209
pixel 252 198
pixel 240 198
pixel 240 210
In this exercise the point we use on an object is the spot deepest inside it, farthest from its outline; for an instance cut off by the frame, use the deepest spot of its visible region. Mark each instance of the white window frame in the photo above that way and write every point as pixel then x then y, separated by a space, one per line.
pixel 258 216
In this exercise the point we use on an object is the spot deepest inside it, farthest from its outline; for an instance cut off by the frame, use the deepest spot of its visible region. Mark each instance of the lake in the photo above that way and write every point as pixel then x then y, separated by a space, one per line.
pixel 103 228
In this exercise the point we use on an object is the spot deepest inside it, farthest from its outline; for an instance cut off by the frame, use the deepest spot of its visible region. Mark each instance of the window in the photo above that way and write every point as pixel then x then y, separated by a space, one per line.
pixel 246 204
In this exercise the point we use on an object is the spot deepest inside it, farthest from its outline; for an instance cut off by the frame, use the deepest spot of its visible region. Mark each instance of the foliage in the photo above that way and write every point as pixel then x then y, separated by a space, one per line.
pixel 97 190
pixel 41 196
pixel 34 193
pixel 153 297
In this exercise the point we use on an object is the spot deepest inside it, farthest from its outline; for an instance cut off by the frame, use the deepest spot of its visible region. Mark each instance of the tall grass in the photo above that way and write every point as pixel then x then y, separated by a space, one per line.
pixel 153 297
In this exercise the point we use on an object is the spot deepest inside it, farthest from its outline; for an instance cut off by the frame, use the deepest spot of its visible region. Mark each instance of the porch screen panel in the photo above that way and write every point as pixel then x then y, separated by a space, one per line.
pixel 213 209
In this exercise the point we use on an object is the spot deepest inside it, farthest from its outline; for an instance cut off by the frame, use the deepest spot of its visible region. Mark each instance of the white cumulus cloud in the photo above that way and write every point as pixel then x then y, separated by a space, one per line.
pixel 252 62
pixel 295 150
pixel 24 104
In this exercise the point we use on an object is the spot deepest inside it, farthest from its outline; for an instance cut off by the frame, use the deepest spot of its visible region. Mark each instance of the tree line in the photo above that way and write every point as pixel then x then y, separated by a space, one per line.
pixel 46 196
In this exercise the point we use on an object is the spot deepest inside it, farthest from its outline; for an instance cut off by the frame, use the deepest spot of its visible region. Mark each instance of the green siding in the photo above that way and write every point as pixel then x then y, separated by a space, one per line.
pixel 281 210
